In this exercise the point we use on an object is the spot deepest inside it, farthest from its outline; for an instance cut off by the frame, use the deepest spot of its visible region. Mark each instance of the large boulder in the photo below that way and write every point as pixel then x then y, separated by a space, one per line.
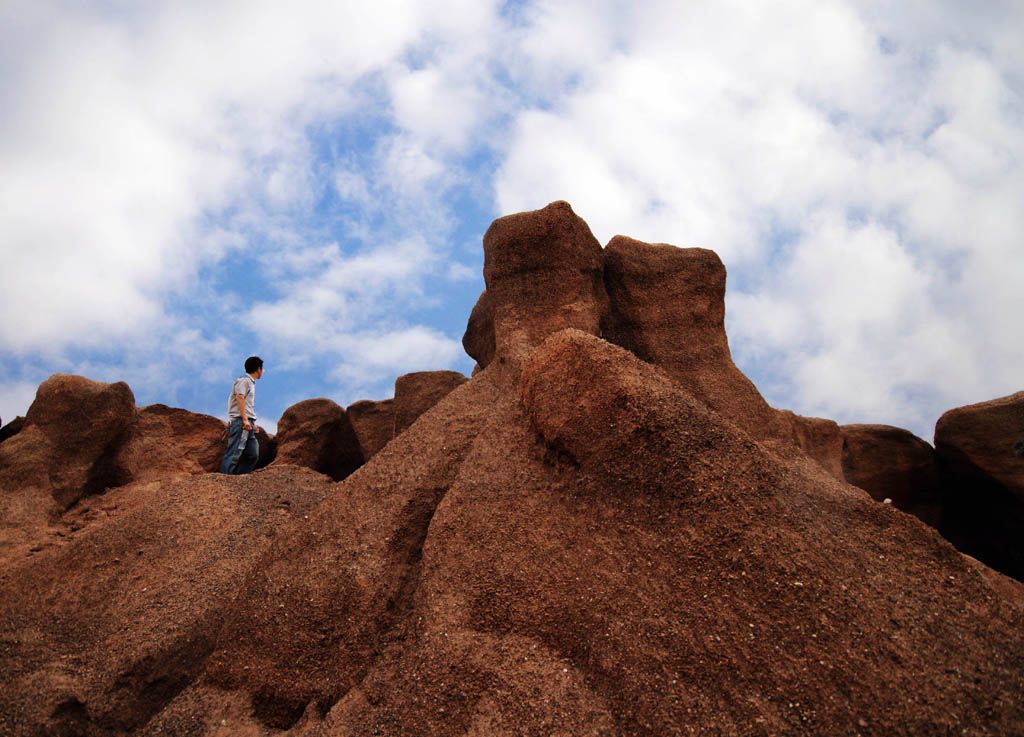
pixel 543 271
pixel 417 392
pixel 78 428
pixel 573 542
pixel 317 434
pixel 374 423
pixel 167 441
pixel 984 509
pixel 893 463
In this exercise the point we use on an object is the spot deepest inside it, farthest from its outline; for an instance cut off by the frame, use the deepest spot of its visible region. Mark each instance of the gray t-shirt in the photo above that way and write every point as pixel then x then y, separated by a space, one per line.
pixel 246 386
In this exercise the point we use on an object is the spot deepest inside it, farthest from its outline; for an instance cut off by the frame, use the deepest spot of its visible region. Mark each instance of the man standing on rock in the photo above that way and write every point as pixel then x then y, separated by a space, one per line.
pixel 243 448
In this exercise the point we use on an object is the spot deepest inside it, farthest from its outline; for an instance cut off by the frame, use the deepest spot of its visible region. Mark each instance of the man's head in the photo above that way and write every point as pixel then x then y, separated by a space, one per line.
pixel 253 364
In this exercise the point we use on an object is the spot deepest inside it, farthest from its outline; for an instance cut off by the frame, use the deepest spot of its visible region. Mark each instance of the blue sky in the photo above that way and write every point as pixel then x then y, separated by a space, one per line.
pixel 183 184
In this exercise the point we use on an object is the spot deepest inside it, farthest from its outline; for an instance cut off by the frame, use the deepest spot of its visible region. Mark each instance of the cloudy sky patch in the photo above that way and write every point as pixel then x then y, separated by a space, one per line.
pixel 184 184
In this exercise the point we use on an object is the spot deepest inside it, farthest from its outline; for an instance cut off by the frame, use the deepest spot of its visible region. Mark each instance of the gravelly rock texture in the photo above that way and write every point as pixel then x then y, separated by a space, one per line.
pixel 576 541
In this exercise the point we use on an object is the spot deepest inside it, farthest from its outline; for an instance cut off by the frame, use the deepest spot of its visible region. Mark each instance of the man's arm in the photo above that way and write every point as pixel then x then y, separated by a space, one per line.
pixel 240 401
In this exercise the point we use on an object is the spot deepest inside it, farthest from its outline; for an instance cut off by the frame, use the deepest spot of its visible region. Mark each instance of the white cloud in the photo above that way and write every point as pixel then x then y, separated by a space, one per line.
pixel 856 169
pixel 858 158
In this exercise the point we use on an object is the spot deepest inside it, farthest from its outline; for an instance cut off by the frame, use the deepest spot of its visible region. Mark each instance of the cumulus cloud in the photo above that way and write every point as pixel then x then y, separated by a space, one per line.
pixel 151 156
pixel 184 182
pixel 855 168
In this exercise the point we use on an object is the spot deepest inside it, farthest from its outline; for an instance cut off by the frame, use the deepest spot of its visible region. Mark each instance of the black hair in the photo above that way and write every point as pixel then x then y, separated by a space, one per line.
pixel 253 364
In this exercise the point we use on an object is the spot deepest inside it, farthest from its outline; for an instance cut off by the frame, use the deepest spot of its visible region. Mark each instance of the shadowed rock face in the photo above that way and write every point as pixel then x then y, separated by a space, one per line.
pixel 479 337
pixel 984 512
pixel 417 392
pixel 893 463
pixel 374 423
pixel 12 428
pixel 317 434
pixel 573 542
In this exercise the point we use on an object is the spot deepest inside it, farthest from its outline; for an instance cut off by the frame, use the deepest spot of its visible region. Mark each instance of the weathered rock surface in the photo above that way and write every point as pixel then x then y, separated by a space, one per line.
pixel 667 307
pixel 107 622
pixel 977 442
pixel 83 423
pixel 893 463
pixel 819 438
pixel 984 510
pixel 374 423
pixel 573 542
pixel 544 272
pixel 362 558
pixel 317 434
pixel 417 392
pixel 165 442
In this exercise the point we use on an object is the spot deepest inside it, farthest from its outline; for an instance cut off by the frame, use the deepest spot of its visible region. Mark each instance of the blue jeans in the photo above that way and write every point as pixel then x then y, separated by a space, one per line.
pixel 243 449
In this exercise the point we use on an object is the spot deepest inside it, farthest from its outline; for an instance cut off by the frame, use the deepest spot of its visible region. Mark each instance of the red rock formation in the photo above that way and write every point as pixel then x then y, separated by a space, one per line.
pixel 543 271
pixel 374 423
pixel 893 463
pixel 667 306
pixel 165 442
pixel 73 430
pixel 417 392
pixel 573 542
pixel 592 549
pixel 984 511
pixel 107 621
pixel 317 434
pixel 977 441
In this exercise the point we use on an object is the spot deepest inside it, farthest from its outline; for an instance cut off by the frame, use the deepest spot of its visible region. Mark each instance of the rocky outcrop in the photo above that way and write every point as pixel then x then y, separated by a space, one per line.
pixel 317 434
pixel 977 442
pixel 668 308
pixel 12 428
pixel 417 392
pixel 819 438
pixel 165 442
pixel 984 510
pixel 374 423
pixel 573 542
pixel 73 430
pixel 664 304
pixel 543 271
pixel 893 463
